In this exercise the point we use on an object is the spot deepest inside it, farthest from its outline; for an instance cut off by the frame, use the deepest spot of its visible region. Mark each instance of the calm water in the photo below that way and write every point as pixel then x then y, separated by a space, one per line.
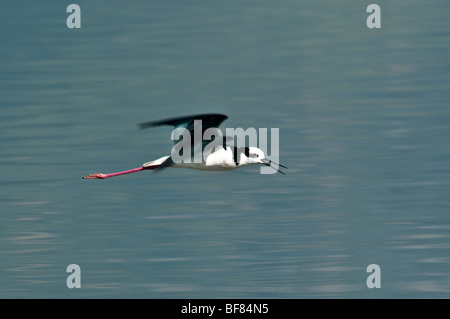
pixel 364 129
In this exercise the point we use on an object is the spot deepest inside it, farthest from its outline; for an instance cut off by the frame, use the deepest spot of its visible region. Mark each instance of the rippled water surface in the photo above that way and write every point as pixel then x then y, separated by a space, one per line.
pixel 364 129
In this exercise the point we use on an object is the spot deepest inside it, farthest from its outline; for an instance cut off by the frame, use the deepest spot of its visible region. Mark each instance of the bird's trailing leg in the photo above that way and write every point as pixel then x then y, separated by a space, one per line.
pixel 93 176
pixel 149 165
pixel 103 176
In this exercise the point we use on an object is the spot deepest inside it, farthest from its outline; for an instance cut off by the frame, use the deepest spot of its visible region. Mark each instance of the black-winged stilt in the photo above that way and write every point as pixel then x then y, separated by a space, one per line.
pixel 222 157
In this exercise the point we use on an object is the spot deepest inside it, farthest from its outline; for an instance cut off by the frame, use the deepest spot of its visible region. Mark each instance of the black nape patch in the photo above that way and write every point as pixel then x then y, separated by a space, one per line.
pixel 235 155
pixel 237 151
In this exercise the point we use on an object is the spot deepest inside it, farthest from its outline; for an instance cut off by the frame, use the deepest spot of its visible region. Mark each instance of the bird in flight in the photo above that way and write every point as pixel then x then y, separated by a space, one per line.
pixel 222 157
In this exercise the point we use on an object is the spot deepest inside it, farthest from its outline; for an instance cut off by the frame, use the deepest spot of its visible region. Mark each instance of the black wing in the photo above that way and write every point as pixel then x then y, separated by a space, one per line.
pixel 208 120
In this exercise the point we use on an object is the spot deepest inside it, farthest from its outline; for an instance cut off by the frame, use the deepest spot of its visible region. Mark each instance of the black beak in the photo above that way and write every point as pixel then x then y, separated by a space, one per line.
pixel 268 162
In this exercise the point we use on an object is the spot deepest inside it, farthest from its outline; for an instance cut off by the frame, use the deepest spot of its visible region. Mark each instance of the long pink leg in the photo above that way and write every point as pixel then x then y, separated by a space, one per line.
pixel 103 176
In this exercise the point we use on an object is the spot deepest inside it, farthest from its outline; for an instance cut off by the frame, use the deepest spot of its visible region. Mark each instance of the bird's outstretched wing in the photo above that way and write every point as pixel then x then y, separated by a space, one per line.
pixel 208 120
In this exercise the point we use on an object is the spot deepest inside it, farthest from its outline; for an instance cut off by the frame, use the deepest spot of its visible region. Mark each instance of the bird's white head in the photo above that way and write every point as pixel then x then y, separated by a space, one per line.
pixel 254 155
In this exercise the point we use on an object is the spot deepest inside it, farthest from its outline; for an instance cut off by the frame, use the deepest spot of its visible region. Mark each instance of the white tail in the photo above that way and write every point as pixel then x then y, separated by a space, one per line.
pixel 156 163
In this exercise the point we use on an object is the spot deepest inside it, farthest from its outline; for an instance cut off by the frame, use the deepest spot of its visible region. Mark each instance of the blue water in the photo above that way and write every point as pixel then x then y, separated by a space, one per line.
pixel 364 121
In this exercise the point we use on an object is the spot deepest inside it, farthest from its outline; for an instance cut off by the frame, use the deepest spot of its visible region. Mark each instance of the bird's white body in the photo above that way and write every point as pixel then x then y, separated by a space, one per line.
pixel 220 160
